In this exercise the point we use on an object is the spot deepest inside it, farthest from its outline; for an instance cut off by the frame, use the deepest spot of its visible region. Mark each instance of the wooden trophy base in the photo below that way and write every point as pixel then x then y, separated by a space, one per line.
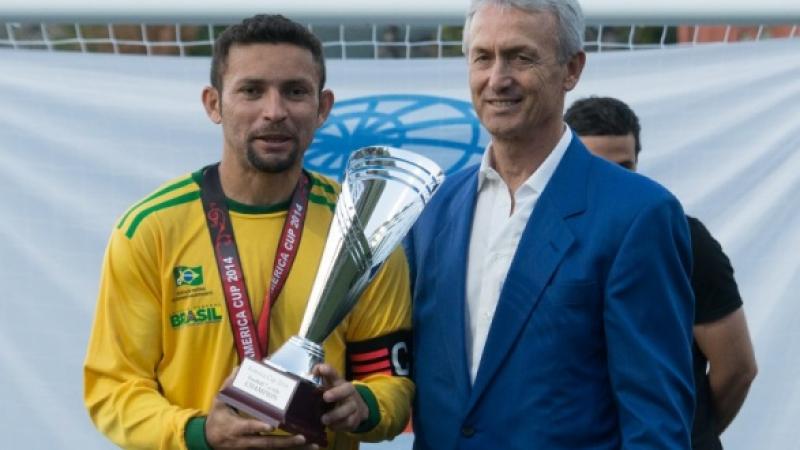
pixel 278 398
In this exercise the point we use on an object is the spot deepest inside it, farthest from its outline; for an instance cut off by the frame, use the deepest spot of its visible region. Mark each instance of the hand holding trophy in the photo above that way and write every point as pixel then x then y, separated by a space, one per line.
pixel 384 191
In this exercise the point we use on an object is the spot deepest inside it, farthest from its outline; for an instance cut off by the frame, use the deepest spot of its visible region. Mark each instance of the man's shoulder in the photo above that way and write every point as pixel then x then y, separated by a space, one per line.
pixel 626 189
pixel 445 203
pixel 464 174
pixel 457 181
pixel 698 230
pixel 607 184
pixel 704 245
pixel 323 182
pixel 453 186
pixel 715 288
pixel 324 190
pixel 169 196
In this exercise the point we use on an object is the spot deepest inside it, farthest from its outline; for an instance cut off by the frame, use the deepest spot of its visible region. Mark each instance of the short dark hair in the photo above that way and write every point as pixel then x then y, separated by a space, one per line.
pixel 264 29
pixel 603 116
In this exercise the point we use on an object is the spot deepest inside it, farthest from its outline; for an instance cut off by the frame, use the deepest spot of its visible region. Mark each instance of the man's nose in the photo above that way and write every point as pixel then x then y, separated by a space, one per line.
pixel 500 75
pixel 273 106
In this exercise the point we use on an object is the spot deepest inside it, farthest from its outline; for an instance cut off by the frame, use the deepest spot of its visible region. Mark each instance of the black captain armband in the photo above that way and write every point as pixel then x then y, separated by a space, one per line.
pixel 389 355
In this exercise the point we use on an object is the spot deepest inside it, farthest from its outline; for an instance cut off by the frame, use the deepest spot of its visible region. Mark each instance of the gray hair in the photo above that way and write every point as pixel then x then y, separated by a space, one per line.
pixel 568 13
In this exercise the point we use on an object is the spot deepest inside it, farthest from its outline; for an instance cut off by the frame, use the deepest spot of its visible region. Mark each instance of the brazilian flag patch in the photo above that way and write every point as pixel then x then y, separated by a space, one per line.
pixel 188 276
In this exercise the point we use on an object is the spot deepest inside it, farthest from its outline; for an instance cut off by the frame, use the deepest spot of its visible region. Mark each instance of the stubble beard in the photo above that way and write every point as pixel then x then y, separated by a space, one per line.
pixel 271 165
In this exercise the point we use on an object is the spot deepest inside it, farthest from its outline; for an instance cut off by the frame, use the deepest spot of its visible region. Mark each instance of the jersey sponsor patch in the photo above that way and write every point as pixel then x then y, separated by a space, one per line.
pixel 196 316
pixel 388 355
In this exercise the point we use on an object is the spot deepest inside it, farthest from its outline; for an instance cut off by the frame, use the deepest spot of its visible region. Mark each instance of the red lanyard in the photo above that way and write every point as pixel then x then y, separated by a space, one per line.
pixel 252 340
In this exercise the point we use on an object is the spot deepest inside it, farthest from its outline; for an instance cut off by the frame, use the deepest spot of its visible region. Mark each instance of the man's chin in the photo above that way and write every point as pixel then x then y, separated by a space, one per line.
pixel 504 132
pixel 272 163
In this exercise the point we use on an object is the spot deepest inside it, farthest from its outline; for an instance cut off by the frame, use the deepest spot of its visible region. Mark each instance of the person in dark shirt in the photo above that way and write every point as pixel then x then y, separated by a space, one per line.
pixel 724 362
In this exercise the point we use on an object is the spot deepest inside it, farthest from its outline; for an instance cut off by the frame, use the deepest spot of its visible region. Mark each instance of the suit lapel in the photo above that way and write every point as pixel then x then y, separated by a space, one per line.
pixel 542 246
pixel 453 241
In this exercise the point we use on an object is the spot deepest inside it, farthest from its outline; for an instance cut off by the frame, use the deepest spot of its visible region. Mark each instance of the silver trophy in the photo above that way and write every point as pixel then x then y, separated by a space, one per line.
pixel 384 191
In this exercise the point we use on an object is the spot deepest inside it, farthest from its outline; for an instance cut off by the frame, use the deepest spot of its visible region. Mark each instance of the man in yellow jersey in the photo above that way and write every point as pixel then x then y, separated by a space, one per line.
pixel 167 331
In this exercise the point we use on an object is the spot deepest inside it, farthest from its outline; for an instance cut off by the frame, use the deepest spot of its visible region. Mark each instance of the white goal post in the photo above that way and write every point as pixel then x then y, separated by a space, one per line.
pixel 370 29
pixel 451 12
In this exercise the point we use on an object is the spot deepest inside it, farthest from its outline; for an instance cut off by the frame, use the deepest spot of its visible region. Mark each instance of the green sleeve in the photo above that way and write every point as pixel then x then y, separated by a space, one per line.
pixel 195 434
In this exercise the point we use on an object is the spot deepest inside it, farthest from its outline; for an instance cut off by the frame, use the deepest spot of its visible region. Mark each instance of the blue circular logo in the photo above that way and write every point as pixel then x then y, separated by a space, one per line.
pixel 443 129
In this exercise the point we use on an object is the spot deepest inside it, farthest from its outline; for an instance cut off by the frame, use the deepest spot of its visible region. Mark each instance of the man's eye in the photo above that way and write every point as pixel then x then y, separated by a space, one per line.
pixel 298 91
pixel 250 91
pixel 523 59
pixel 481 59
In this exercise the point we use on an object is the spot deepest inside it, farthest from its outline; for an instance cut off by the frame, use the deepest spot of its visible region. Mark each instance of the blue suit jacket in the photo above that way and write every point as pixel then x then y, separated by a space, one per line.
pixel 590 345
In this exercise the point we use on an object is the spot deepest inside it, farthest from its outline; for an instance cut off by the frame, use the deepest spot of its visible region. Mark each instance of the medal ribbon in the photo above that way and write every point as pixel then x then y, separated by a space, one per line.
pixel 252 340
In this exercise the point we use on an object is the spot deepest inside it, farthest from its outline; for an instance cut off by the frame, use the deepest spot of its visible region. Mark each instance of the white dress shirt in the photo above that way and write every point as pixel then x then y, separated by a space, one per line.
pixel 494 239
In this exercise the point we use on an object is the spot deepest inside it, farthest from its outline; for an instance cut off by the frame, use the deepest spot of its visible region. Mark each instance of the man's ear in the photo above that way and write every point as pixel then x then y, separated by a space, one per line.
pixel 325 106
pixel 574 69
pixel 213 104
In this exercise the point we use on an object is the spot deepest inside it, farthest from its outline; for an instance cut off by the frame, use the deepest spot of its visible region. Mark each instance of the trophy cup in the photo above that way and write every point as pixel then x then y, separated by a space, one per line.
pixel 384 191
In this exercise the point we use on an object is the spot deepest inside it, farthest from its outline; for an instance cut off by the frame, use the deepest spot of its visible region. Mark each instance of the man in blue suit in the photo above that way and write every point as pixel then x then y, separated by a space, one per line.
pixel 553 308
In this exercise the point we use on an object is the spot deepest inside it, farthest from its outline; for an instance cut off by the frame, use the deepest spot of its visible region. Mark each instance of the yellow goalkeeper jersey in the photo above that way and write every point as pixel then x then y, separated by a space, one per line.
pixel 161 343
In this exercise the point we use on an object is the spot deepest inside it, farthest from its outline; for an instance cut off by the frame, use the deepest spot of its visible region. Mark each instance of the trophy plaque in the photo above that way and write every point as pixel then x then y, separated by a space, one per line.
pixel 384 191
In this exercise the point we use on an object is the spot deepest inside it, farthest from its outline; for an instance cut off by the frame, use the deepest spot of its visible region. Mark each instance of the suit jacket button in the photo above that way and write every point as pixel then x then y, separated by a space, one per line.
pixel 467 431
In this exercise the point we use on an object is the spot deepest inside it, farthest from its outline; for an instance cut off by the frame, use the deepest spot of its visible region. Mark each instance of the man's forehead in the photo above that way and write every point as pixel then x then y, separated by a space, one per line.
pixel 281 50
pixel 511 26
pixel 262 60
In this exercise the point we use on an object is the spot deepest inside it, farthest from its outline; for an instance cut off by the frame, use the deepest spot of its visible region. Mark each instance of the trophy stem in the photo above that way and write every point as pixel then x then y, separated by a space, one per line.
pixel 298 356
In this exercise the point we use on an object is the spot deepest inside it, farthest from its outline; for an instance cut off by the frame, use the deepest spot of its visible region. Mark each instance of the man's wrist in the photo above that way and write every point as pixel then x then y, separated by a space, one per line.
pixel 374 414
pixel 195 434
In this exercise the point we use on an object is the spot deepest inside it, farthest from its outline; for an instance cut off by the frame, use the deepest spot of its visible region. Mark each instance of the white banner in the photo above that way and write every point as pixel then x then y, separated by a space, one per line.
pixel 84 136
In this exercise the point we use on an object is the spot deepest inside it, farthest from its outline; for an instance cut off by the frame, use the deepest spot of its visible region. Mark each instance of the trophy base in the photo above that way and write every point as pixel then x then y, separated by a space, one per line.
pixel 279 398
